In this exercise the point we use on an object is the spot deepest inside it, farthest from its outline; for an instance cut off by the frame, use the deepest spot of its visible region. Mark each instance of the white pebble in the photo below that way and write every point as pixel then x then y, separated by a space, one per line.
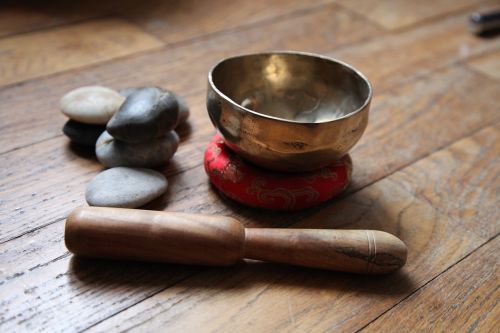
pixel 91 105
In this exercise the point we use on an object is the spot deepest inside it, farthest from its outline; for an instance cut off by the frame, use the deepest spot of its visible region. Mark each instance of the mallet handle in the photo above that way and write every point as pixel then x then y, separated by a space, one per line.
pixel 118 233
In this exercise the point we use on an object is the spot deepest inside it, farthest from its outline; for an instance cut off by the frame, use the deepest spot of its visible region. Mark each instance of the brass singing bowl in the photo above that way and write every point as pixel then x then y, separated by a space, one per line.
pixel 288 111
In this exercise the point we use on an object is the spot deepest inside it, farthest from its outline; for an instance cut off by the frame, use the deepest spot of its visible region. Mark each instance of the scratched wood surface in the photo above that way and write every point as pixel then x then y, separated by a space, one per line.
pixel 427 168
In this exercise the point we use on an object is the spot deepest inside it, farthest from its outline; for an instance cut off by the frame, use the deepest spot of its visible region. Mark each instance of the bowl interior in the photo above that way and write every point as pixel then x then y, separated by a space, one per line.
pixel 296 87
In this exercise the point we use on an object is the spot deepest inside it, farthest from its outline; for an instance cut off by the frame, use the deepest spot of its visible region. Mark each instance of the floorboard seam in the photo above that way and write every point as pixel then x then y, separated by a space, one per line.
pixel 141 300
pixel 57 25
pixel 428 282
pixel 167 46
pixel 347 195
pixel 200 38
pixel 340 197
pixel 32 230
pixel 482 74
pixel 480 55
pixel 83 67
pixel 412 79
pixel 242 27
pixel 30 144
pixel 417 24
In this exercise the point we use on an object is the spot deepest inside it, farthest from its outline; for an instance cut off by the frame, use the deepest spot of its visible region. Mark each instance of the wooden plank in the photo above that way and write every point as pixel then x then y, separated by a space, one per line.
pixel 418 118
pixel 408 122
pixel 259 297
pixel 110 288
pixel 31 250
pixel 464 298
pixel 79 291
pixel 182 69
pixel 402 56
pixel 462 181
pixel 228 313
pixel 40 283
pixel 385 206
pixel 397 14
pixel 488 64
pixel 172 22
pixel 190 19
pixel 41 53
pixel 25 16
pixel 475 155
pixel 39 193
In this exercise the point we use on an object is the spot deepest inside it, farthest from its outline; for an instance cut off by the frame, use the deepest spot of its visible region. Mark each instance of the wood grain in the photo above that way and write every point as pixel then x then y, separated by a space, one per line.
pixel 402 129
pixel 430 92
pixel 240 299
pixel 25 16
pixel 177 21
pixel 172 21
pixel 380 206
pixel 400 57
pixel 366 212
pixel 91 291
pixel 487 64
pixel 462 181
pixel 41 53
pixel 187 66
pixel 383 60
pixel 397 14
pixel 32 250
pixel 434 103
pixel 434 179
pixel 464 298
pixel 182 69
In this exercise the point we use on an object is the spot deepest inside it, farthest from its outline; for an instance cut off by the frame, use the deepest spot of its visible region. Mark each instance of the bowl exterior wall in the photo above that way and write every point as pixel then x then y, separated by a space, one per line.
pixel 284 145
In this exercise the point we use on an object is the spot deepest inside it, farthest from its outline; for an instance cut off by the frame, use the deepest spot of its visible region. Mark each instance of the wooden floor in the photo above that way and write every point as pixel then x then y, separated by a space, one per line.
pixel 427 168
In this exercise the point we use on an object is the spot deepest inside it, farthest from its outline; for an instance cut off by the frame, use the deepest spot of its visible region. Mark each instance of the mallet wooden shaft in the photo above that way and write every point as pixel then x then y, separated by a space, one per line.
pixel 118 233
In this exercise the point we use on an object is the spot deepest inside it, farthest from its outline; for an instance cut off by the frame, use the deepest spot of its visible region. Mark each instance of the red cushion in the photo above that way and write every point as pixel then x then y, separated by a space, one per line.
pixel 257 187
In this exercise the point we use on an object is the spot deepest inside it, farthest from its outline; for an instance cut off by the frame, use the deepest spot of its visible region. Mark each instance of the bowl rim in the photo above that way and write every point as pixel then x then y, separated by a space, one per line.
pixel 300 53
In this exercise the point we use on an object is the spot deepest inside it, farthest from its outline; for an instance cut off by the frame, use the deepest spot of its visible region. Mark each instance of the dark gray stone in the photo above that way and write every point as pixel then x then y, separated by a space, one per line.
pixel 82 134
pixel 146 114
pixel 127 91
pixel 183 106
pixel 125 187
pixel 157 153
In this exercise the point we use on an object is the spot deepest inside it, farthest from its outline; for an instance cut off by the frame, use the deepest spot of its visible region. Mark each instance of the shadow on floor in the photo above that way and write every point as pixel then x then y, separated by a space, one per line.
pixel 117 275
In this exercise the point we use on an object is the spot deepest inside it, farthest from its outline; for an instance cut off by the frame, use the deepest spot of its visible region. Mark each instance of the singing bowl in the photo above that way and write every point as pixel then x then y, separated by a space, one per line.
pixel 288 111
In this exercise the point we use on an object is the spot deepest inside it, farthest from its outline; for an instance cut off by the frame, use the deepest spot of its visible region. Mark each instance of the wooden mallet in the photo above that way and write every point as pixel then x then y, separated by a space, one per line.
pixel 117 233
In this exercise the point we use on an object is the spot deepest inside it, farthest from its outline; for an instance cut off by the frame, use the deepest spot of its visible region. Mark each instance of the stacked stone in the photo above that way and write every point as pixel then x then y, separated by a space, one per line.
pixel 89 109
pixel 132 131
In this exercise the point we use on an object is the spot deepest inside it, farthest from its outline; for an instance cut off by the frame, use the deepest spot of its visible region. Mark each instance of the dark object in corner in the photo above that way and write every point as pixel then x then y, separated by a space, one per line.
pixel 485 24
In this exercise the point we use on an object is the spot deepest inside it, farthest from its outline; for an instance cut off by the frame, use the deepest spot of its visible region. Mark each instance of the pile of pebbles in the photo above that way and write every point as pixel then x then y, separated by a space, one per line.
pixel 132 131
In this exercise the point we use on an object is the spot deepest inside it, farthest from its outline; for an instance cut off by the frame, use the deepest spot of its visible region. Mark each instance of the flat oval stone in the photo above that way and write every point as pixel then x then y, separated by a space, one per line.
pixel 125 187
pixel 91 105
pixel 146 114
pixel 157 153
pixel 83 134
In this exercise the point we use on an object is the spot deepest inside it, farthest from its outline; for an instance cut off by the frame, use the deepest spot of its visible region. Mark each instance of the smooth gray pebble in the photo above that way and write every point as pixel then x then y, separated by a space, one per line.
pixel 112 152
pixel 125 187
pixel 147 113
